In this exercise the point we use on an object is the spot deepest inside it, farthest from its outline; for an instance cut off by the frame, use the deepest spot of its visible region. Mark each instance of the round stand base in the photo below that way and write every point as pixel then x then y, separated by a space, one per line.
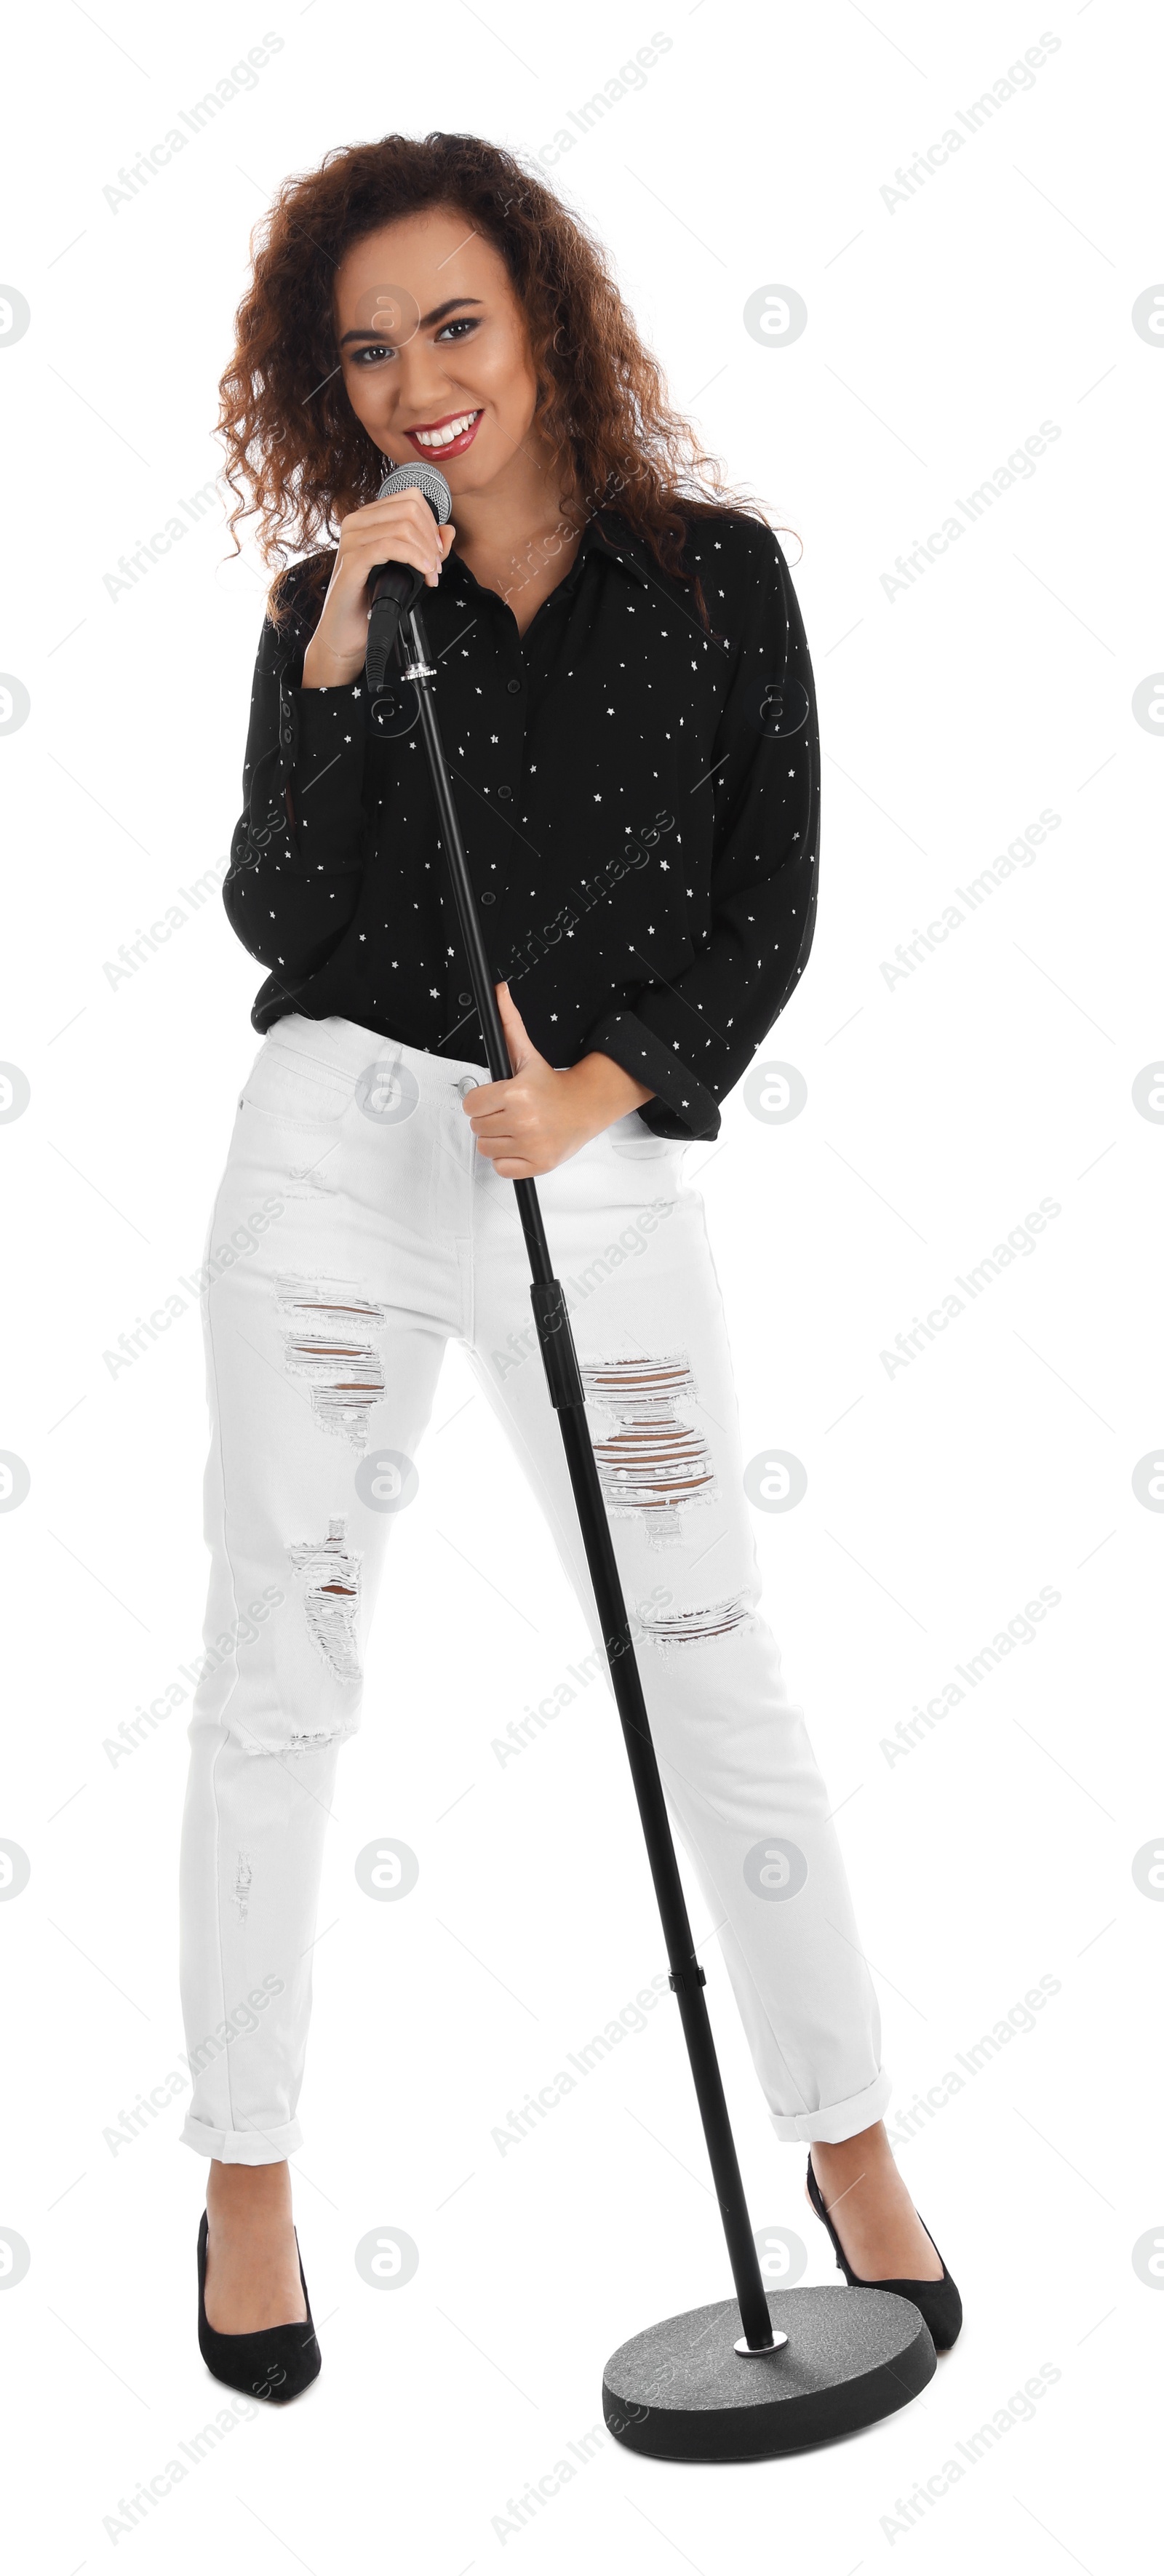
pixel 681 2391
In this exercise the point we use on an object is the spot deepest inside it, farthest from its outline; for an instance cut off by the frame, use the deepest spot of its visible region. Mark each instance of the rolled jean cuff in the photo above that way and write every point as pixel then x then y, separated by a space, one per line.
pixel 242 2146
pixel 837 2120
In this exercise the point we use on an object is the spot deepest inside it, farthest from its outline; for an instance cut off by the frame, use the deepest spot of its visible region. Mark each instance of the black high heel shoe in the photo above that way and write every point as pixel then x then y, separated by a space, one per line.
pixel 275 2364
pixel 937 2302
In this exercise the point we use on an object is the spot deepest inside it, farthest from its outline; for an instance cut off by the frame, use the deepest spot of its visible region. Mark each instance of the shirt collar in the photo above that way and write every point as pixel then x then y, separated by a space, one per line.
pixel 609 534
pixel 606 533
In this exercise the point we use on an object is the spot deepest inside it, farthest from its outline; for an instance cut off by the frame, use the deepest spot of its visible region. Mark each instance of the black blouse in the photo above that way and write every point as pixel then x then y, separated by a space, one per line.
pixel 639 801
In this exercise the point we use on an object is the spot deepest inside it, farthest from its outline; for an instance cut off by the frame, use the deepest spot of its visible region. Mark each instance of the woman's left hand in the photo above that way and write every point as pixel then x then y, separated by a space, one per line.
pixel 541 1116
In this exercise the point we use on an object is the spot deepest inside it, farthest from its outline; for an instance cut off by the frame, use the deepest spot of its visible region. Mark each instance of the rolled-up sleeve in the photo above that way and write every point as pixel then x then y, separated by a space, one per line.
pixel 299 845
pixel 690 1039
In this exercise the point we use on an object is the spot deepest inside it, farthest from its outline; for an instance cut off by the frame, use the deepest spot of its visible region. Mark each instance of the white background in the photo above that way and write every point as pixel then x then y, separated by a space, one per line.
pixel 940 1109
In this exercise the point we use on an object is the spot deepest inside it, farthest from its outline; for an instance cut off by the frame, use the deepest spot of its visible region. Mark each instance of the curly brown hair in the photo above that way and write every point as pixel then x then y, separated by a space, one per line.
pixel 298 457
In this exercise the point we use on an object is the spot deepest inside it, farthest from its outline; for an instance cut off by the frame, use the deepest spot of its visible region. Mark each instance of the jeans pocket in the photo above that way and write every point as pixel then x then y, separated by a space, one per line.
pixel 635 1143
pixel 296 1088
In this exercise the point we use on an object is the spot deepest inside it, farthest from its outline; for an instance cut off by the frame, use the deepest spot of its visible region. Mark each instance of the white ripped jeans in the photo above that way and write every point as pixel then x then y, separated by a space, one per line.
pixel 357 1229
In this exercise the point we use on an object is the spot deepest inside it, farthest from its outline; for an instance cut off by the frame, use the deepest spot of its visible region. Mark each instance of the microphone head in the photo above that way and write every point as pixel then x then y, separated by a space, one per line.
pixel 424 478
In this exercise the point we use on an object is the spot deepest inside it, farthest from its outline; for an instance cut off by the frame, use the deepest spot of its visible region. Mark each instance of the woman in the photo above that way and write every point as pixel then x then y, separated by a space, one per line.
pixel 627 703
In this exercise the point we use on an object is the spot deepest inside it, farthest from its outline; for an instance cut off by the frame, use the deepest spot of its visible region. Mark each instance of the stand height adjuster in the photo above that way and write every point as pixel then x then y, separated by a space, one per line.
pixel 693 1976
pixel 559 1358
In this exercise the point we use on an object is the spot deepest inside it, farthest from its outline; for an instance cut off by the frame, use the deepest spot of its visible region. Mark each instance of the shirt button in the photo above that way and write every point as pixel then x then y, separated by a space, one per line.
pixel 505 793
pixel 513 687
pixel 488 898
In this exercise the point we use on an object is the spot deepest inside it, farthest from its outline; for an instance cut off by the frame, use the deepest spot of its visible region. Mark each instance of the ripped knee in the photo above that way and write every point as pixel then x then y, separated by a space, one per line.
pixel 331 1338
pixel 652 1461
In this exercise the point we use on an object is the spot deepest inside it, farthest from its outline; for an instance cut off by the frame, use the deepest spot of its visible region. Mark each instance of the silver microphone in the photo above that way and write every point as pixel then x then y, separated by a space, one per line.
pixel 422 478
pixel 397 586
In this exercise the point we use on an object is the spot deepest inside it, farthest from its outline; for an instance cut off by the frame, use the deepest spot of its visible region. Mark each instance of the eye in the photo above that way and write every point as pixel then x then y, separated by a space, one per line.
pixel 465 322
pixel 372 355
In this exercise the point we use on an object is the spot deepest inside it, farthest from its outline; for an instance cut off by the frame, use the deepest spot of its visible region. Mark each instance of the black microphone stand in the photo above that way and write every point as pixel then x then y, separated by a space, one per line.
pixel 658 2395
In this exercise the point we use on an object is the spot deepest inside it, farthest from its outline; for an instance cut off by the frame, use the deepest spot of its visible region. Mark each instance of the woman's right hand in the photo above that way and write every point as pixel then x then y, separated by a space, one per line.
pixel 399 530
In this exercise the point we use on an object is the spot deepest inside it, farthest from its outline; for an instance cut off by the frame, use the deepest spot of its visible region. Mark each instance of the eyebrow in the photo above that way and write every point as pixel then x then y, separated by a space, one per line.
pixel 437 314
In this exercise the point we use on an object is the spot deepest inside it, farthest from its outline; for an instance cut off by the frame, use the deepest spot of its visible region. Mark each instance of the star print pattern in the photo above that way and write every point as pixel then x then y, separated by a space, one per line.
pixel 647 886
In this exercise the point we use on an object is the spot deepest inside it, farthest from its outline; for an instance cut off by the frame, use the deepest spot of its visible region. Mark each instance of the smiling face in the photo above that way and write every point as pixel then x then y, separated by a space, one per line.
pixel 435 352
